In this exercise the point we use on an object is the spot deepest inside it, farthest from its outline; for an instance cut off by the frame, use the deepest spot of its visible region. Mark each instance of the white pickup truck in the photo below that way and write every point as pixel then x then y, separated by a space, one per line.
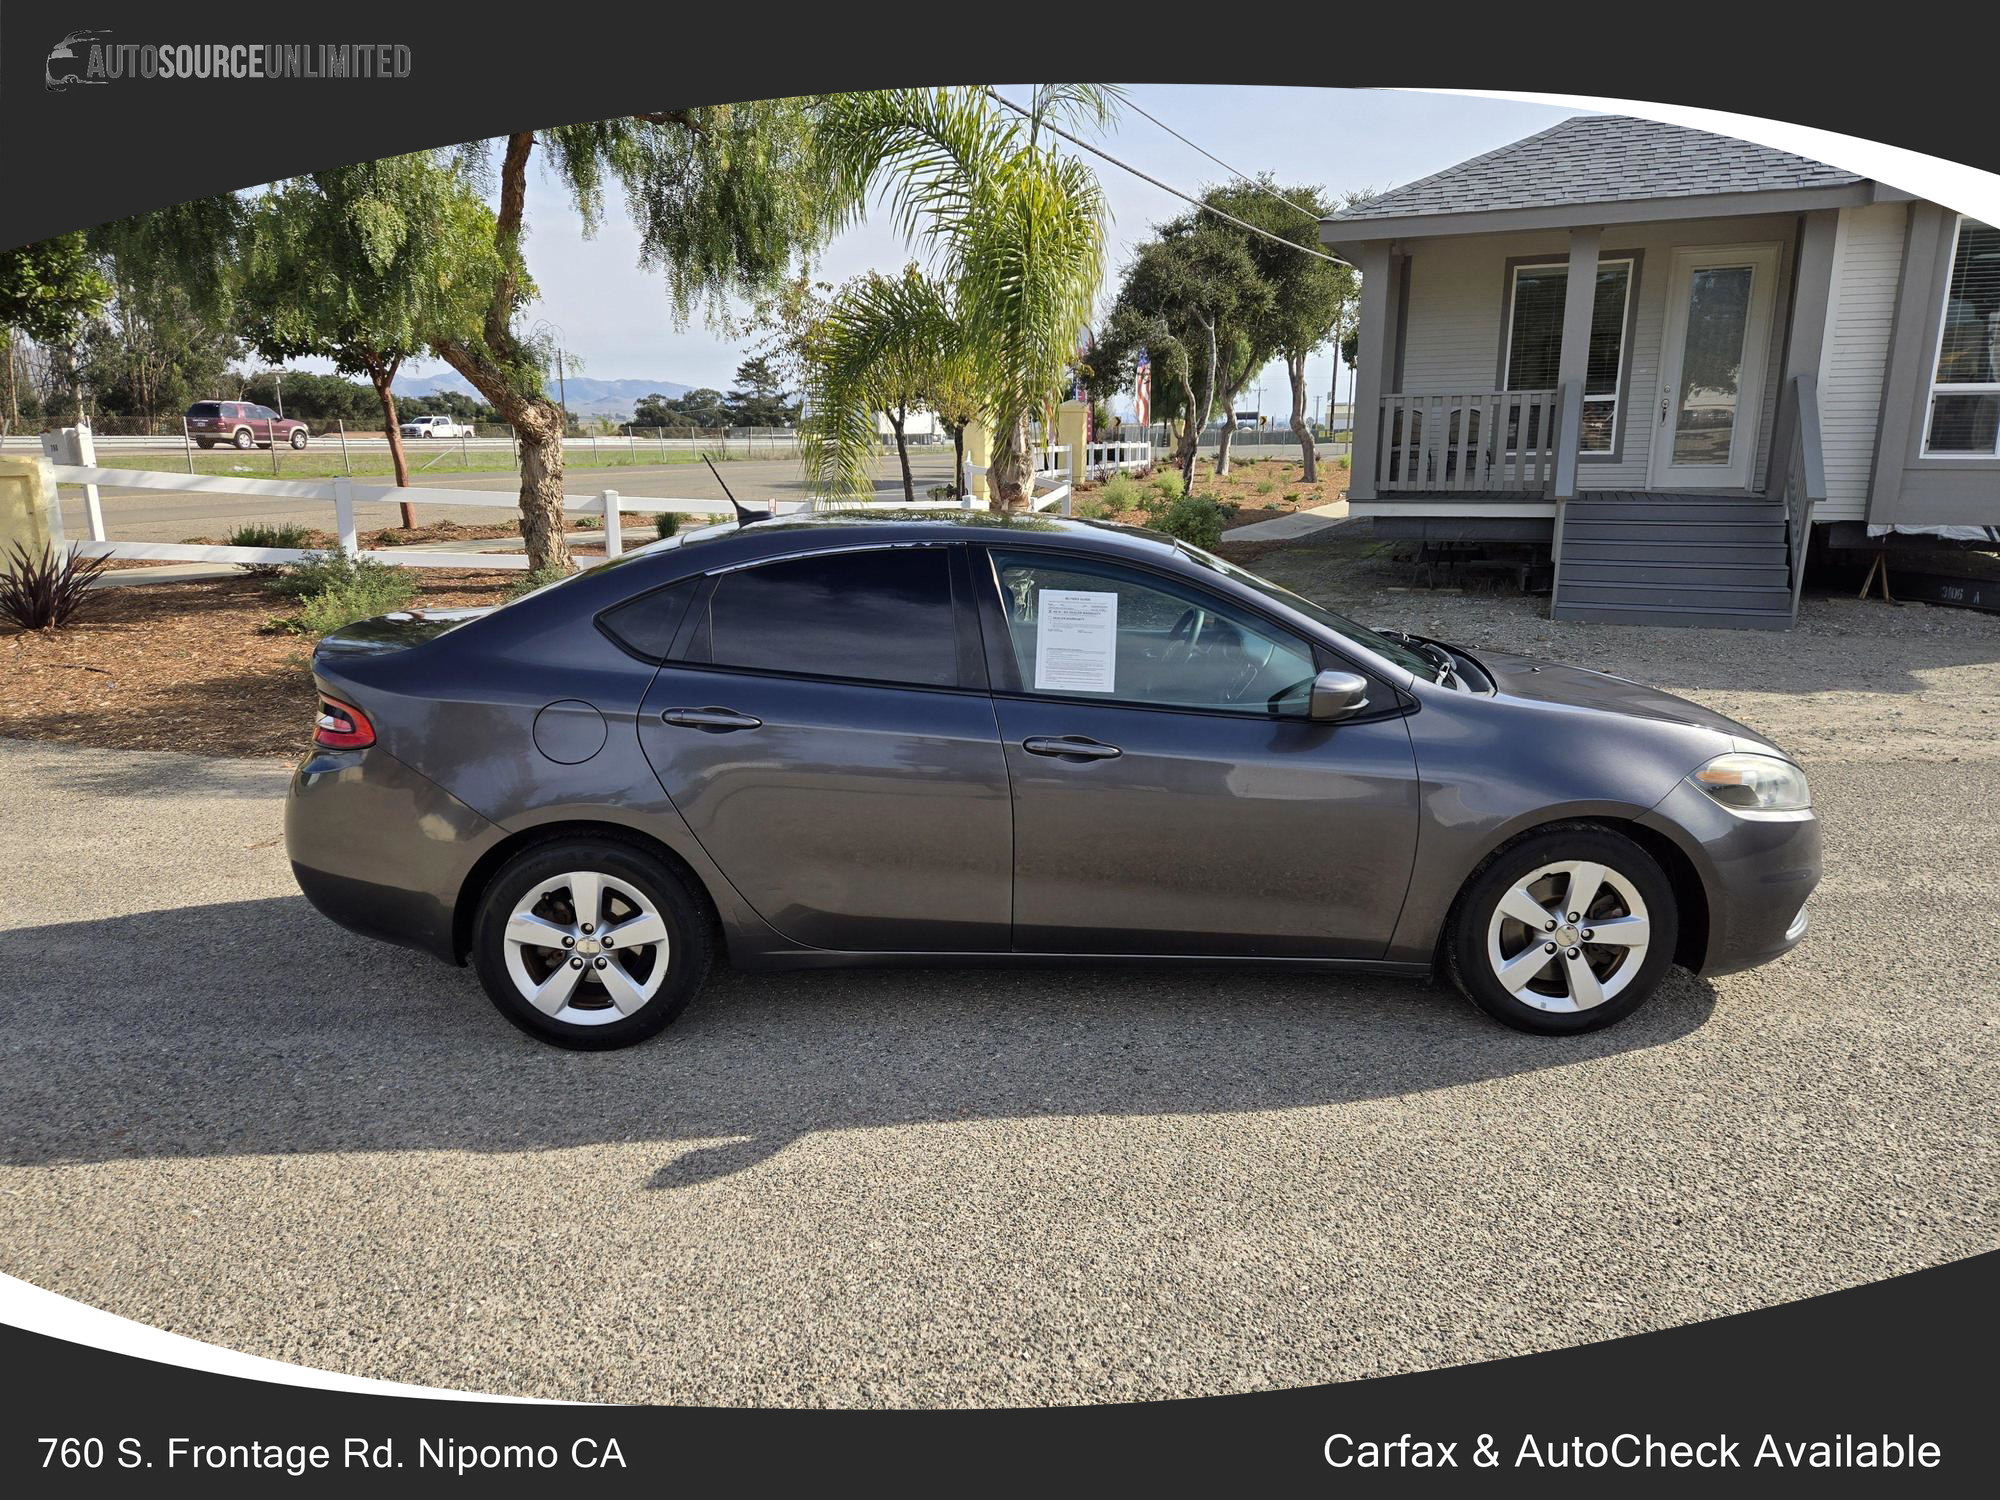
pixel 436 427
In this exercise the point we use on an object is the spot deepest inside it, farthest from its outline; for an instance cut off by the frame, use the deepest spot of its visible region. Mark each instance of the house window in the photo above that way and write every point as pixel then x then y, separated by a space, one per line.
pixel 1964 416
pixel 1534 341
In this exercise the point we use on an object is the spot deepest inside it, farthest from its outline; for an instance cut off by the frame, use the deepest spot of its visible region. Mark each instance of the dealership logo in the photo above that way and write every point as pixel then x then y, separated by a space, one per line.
pixel 85 57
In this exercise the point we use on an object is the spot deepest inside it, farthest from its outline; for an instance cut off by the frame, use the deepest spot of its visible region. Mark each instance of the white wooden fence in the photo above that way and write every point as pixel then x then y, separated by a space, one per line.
pixel 343 495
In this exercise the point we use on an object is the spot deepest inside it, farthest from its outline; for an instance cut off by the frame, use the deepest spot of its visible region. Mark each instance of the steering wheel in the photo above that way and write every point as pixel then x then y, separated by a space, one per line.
pixel 1184 638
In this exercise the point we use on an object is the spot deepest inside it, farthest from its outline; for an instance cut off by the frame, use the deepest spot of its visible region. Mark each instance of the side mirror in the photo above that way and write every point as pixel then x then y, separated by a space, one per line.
pixel 1337 695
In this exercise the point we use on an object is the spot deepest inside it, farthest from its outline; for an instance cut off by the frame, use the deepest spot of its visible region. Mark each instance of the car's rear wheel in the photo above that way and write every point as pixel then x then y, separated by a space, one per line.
pixel 298 437
pixel 591 943
pixel 243 438
pixel 204 443
pixel 1564 932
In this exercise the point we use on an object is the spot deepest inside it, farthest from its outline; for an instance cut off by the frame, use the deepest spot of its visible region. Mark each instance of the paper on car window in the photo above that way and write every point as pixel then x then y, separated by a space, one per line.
pixel 1076 641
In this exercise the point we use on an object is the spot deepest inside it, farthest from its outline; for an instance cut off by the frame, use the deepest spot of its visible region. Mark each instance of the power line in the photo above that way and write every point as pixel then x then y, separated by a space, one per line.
pixel 1234 172
pixel 1276 239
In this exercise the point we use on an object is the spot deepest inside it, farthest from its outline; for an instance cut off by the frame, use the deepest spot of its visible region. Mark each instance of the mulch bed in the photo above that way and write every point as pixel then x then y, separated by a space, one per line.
pixel 1262 489
pixel 183 666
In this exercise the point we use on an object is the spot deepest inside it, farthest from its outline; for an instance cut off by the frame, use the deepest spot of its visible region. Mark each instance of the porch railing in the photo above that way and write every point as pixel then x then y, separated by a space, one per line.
pixel 1805 471
pixel 1488 440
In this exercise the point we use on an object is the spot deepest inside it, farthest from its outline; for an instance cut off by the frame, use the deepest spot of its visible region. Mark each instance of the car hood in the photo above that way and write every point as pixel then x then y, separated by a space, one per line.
pixel 1535 680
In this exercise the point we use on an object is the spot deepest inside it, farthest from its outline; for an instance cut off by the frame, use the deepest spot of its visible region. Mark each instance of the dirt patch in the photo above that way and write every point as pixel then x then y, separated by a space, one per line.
pixel 1260 489
pixel 184 666
pixel 1853 680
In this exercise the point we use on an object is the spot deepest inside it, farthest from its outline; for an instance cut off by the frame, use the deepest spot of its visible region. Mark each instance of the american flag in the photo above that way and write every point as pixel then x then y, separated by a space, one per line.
pixel 1142 389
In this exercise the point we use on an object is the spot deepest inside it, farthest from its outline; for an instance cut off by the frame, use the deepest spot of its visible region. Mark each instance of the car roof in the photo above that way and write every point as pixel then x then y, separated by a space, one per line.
pixel 810 530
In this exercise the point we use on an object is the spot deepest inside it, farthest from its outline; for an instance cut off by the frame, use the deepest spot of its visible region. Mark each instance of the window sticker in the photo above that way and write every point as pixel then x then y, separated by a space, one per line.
pixel 1076 641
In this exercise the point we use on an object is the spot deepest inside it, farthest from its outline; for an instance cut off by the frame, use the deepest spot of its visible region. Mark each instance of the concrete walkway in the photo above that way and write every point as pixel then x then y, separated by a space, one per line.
pixel 1289 528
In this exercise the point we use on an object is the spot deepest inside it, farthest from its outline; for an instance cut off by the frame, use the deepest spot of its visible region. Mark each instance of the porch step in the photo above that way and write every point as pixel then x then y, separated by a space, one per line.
pixel 1677 530
pixel 1704 553
pixel 1675 510
pixel 1691 595
pixel 1669 614
pixel 1647 558
pixel 1771 572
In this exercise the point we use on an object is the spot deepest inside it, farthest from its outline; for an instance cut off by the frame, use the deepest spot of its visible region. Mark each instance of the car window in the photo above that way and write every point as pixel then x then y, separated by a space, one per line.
pixel 645 626
pixel 1081 628
pixel 878 616
pixel 205 409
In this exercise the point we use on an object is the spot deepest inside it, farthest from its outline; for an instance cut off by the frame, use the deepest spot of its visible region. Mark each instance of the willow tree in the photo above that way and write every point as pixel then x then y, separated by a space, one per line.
pixel 725 198
pixel 1016 231
pixel 367 266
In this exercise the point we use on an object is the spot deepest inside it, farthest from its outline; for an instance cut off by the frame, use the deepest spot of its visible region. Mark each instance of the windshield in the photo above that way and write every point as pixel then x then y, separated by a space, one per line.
pixel 1340 625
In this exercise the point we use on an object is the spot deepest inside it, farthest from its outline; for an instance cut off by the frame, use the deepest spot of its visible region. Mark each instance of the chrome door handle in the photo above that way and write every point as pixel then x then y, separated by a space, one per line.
pixel 1070 747
pixel 717 720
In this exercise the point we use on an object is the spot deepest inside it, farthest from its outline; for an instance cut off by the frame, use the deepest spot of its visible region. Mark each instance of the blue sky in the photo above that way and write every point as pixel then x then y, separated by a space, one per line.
pixel 615 316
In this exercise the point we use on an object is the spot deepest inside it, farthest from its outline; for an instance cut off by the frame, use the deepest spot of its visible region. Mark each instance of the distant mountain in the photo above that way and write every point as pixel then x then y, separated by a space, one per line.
pixel 609 398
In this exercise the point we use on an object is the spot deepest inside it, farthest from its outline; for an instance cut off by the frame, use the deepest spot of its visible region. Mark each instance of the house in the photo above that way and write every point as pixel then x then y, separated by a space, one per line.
pixel 1672 356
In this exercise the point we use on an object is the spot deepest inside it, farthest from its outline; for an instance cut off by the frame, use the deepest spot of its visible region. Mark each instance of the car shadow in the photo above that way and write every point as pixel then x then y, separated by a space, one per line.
pixel 258 1028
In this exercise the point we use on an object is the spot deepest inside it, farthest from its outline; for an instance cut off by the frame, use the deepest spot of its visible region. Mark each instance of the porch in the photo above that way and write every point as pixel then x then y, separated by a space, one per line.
pixel 1670 453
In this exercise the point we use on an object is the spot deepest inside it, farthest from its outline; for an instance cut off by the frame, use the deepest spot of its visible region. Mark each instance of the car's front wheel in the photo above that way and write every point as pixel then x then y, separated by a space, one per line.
pixel 1564 932
pixel 591 943
pixel 298 437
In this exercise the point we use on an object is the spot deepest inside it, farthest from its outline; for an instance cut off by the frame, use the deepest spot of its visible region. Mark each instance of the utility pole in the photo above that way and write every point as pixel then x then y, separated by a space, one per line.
pixel 279 377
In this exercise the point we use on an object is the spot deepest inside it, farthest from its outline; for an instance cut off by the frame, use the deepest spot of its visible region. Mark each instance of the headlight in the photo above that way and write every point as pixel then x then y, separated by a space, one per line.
pixel 1745 782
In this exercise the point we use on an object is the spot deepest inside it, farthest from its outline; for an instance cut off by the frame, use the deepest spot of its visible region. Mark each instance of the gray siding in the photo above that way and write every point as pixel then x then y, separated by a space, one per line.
pixel 1867 264
pixel 1452 337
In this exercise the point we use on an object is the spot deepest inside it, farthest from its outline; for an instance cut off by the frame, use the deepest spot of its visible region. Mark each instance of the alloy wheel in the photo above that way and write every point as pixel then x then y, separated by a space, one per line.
pixel 586 948
pixel 1568 936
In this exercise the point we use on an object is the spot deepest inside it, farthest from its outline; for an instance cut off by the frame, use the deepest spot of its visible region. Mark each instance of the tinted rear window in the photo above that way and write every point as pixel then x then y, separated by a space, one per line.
pixel 205 409
pixel 878 616
pixel 645 626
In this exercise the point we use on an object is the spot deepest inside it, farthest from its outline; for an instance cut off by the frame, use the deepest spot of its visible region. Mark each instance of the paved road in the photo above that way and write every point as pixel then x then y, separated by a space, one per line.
pixel 163 516
pixel 225 1117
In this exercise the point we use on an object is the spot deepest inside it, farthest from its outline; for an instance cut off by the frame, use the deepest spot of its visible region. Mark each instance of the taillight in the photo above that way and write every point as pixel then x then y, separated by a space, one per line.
pixel 342 726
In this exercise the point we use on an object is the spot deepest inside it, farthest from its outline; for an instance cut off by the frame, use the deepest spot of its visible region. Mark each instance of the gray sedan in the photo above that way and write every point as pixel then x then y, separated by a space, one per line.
pixel 949 737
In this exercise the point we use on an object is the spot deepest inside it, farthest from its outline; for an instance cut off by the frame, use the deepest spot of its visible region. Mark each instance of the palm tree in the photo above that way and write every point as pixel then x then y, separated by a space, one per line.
pixel 887 343
pixel 1016 230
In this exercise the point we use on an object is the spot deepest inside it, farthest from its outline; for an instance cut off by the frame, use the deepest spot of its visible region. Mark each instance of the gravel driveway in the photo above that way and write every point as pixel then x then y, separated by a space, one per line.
pixel 227 1118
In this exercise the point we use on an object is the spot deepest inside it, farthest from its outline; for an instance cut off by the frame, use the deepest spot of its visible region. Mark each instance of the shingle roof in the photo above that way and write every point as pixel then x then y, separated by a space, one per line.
pixel 1601 159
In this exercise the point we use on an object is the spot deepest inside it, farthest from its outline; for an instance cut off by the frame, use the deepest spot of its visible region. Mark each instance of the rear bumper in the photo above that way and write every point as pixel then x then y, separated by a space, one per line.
pixel 1757 873
pixel 380 849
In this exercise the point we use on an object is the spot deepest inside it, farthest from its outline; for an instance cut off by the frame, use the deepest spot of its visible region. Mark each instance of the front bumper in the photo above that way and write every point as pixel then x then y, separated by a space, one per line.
pixel 1756 871
pixel 380 849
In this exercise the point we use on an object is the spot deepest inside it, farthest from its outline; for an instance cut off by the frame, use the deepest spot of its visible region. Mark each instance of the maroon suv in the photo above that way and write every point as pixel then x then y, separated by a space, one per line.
pixel 244 424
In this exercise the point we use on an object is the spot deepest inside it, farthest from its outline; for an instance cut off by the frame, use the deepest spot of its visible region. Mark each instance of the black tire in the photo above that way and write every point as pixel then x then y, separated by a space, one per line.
pixel 204 444
pixel 298 438
pixel 690 939
pixel 1468 958
pixel 243 439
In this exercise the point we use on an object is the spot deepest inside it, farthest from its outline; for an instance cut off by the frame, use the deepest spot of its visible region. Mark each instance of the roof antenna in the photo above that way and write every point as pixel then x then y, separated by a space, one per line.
pixel 744 514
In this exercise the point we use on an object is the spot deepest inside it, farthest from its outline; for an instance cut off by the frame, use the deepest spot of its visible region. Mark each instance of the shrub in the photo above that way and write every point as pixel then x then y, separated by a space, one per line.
pixel 372 589
pixel 45 590
pixel 314 573
pixel 538 578
pixel 667 522
pixel 1194 520
pixel 1120 493
pixel 1089 508
pixel 1168 482
pixel 1266 486
pixel 268 534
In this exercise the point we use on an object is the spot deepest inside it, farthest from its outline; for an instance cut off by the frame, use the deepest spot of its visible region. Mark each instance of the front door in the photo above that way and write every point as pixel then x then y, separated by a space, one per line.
pixel 1170 795
pixel 1718 334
